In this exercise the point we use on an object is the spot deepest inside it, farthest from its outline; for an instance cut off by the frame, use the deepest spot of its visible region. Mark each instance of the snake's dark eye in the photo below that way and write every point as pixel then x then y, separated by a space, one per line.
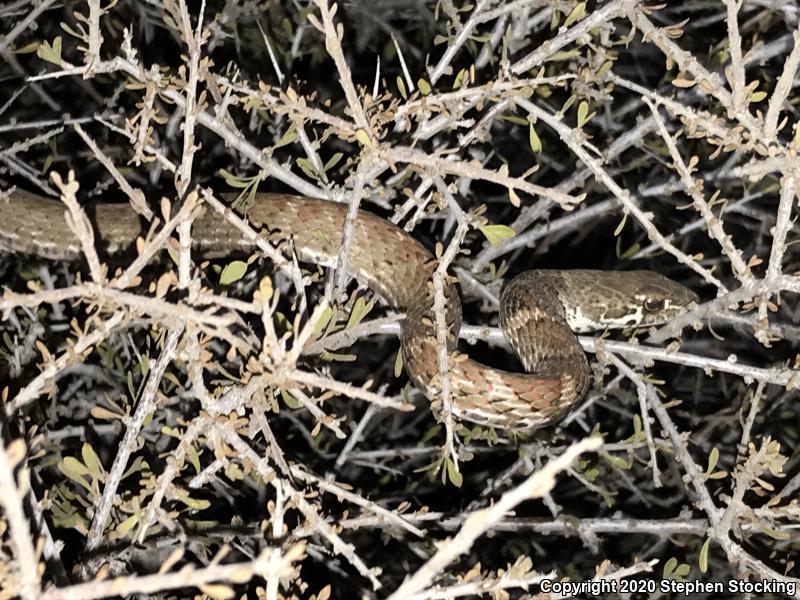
pixel 653 304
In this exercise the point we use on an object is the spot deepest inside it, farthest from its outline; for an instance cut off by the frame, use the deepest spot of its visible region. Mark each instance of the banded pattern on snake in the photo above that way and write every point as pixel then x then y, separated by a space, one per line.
pixel 539 309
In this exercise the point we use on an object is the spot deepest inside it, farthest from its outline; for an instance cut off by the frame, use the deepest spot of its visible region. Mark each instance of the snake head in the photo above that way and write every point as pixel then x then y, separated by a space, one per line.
pixel 660 299
pixel 624 299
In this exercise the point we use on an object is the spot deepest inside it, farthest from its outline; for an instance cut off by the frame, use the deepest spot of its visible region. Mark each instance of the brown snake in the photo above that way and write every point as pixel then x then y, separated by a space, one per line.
pixel 538 308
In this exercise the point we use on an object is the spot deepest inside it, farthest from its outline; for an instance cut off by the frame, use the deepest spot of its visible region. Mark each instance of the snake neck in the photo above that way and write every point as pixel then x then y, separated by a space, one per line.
pixel 532 315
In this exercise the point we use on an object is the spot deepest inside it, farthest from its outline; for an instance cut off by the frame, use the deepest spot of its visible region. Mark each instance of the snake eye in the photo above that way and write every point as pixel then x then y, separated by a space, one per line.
pixel 653 304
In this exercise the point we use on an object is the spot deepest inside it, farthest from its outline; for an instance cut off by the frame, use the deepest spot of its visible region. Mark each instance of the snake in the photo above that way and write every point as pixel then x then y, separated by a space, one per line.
pixel 540 310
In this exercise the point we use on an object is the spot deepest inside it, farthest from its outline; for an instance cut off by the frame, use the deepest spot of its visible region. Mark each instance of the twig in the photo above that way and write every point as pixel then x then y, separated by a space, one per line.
pixel 128 444
pixel 539 483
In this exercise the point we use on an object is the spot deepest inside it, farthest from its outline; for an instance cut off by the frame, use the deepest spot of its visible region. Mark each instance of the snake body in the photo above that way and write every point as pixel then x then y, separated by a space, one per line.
pixel 538 310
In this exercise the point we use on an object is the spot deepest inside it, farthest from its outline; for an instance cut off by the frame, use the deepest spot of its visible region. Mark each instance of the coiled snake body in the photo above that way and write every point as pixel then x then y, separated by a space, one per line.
pixel 538 308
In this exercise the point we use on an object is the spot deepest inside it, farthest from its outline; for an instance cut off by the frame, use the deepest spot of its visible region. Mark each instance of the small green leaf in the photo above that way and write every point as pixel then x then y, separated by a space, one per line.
pixel 576 15
pixel 681 571
pixel 307 167
pixel 131 386
pixel 555 17
pixel 497 234
pixel 287 138
pixel 516 119
pixel 775 534
pixel 27 48
pixel 144 365
pixel 70 464
pixel 631 251
pixel 568 104
pixel 424 87
pixel 191 452
pixel 324 319
pixel 171 431
pixel 459 78
pixel 704 556
pixel 621 225
pixel 51 53
pixel 170 23
pixel 138 465
pixel 533 138
pixel 234 472
pixel 233 180
pixel 618 461
pixel 402 87
pixel 337 357
pixel 233 272
pixel 66 515
pixel 92 462
pixel 360 310
pixel 71 31
pixel 363 138
pixel 564 55
pixel 604 68
pixel 583 113
pixel 333 161
pixel 669 567
pixel 265 288
pixel 713 457
pixel 75 470
pixel 195 503
pixel 289 400
pixel 127 525
pixel 398 364
pixel 453 474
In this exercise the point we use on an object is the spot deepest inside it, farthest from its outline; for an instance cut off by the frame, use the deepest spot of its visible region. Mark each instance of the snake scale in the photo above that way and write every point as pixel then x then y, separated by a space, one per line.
pixel 539 309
